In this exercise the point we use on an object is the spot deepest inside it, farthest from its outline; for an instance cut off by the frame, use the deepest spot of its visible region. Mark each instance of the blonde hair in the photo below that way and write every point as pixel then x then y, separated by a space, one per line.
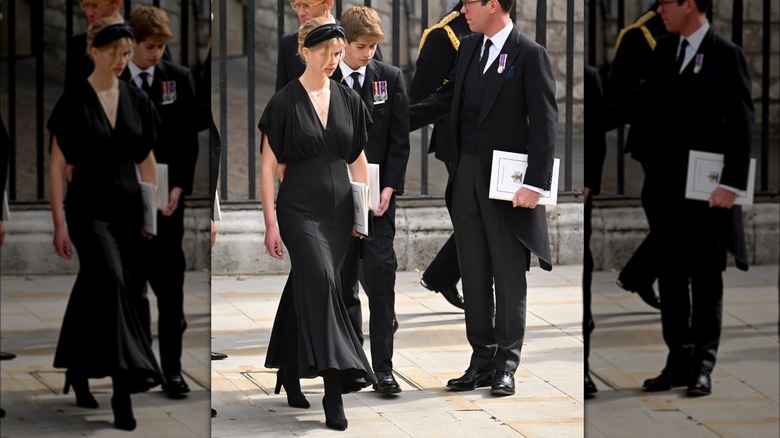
pixel 99 25
pixel 326 45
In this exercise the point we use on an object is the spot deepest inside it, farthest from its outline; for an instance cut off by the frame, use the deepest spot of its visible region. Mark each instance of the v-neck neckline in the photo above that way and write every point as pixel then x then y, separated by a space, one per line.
pixel 314 109
pixel 103 112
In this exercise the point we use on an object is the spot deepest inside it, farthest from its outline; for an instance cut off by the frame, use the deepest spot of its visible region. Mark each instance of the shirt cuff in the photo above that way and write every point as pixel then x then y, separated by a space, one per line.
pixel 729 188
pixel 532 188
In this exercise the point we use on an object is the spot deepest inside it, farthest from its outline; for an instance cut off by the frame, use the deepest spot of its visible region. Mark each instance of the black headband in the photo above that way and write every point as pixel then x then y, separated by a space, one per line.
pixel 112 33
pixel 323 33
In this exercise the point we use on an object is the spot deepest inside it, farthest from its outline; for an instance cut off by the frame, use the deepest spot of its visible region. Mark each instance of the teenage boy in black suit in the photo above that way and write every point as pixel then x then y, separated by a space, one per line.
pixel 172 90
pixel 381 86
pixel 502 97
pixel 438 49
pixel 698 92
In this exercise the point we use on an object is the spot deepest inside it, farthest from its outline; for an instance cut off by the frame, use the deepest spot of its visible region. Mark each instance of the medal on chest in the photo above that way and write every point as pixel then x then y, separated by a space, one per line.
pixel 168 92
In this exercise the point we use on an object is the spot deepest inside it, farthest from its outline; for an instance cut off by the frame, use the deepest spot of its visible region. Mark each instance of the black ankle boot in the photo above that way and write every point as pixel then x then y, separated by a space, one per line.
pixel 80 383
pixel 333 404
pixel 288 377
pixel 123 411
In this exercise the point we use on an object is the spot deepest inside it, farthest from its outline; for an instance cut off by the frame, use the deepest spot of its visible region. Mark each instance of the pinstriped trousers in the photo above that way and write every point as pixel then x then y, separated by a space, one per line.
pixel 372 262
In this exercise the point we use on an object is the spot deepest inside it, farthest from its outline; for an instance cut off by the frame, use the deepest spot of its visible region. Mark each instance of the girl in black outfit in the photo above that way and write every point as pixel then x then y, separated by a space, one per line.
pixel 312 128
pixel 102 131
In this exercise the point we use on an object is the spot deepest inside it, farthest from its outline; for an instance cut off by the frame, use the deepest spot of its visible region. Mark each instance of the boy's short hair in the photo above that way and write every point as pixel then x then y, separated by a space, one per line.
pixel 362 21
pixel 150 22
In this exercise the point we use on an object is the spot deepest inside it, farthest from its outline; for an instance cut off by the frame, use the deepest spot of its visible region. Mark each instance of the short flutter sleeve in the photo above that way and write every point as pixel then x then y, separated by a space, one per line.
pixel 273 124
pixel 62 124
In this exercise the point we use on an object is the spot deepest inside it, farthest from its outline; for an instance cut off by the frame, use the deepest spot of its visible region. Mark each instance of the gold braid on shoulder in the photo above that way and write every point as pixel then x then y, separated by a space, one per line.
pixel 443 24
pixel 639 24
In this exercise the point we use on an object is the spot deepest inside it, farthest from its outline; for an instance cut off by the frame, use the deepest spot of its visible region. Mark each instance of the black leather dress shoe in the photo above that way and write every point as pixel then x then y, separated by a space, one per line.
pixel 665 381
pixel 175 385
pixel 700 385
pixel 451 295
pixel 473 378
pixel 503 383
pixel 4 355
pixel 590 387
pixel 218 356
pixel 385 383
pixel 646 293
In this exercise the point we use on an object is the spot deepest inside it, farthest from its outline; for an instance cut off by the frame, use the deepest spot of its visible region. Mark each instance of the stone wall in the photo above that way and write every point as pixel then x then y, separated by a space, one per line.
pixel 421 230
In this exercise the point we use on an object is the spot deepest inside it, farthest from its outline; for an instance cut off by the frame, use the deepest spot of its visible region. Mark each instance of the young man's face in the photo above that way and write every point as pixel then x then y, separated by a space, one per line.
pixel 359 53
pixel 148 52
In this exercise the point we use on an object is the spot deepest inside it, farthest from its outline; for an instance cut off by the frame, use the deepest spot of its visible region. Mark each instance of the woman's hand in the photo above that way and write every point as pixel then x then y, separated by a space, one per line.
pixel 273 242
pixel 62 242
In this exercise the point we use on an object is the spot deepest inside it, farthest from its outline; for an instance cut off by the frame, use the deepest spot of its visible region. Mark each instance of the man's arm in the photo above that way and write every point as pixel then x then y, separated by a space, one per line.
pixel 539 93
pixel 398 145
pixel 433 66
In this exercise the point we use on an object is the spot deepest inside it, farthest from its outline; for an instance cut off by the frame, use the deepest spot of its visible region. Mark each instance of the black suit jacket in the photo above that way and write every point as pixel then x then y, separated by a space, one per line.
pixel 707 108
pixel 435 62
pixel 518 114
pixel 388 137
pixel 5 152
pixel 177 143
pixel 289 65
pixel 595 139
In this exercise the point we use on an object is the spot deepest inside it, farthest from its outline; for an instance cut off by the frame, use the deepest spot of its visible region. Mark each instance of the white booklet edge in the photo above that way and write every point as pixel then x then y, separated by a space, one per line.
pixel 162 183
pixel 704 171
pixel 6 215
pixel 507 173
pixel 373 185
pixel 150 197
pixel 360 198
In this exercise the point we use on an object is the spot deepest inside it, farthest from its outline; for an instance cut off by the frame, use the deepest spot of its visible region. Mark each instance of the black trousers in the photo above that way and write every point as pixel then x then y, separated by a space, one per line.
pixel 443 273
pixel 373 263
pixel 641 270
pixel 165 273
pixel 489 255
pixel 690 281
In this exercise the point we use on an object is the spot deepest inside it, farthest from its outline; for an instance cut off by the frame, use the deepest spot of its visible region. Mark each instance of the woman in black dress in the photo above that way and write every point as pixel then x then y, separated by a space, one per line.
pixel 101 131
pixel 313 127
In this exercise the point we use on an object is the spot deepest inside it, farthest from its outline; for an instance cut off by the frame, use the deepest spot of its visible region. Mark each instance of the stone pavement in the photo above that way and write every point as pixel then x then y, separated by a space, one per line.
pixel 627 348
pixel 430 348
pixel 31 389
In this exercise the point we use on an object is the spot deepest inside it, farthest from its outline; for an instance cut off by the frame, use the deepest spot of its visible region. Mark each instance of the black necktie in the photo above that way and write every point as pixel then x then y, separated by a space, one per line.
pixel 681 55
pixel 485 55
pixel 356 83
pixel 145 83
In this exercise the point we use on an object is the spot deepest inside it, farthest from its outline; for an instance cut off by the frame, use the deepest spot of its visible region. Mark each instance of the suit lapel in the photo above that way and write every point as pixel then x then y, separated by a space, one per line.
pixel 704 47
pixel 496 80
pixel 468 46
pixel 368 86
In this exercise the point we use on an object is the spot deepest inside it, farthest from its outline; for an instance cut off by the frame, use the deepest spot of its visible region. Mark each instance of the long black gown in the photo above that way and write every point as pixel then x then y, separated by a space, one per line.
pixel 315 214
pixel 101 332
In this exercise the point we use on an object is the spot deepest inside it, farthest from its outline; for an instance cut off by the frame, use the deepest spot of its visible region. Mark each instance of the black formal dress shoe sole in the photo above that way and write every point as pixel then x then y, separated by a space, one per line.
pixel 218 356
pixel 451 295
pixel 175 386
pixel 700 387
pixel 503 384
pixel 4 355
pixel 646 293
pixel 386 383
pixel 469 383
pixel 664 382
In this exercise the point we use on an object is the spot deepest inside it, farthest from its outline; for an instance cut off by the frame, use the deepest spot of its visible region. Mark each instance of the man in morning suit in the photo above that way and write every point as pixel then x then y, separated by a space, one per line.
pixel 78 64
pixel 633 56
pixel 699 89
pixel 289 65
pixel 438 49
pixel 502 97
pixel 172 90
pixel 382 88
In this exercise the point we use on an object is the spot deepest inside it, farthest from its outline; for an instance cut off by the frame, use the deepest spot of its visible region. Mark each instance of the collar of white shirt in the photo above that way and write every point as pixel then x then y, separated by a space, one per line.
pixel 135 71
pixel 346 72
